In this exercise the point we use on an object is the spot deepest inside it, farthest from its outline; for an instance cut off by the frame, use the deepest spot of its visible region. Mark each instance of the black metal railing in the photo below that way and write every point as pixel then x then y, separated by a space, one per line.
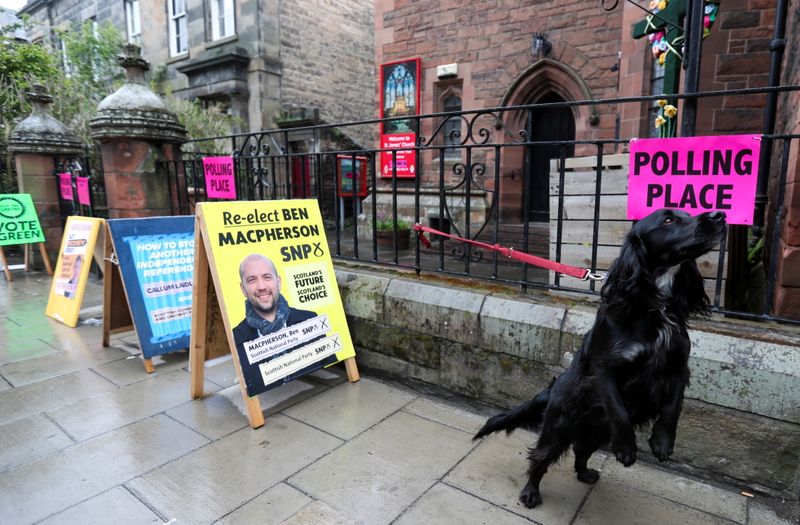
pixel 81 187
pixel 484 181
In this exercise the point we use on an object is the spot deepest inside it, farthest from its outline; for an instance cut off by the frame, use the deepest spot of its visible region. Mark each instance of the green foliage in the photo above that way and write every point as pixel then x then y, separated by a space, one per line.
pixel 89 73
pixel 91 58
pixel 80 77
pixel 755 252
pixel 201 122
pixel 386 223
pixel 22 64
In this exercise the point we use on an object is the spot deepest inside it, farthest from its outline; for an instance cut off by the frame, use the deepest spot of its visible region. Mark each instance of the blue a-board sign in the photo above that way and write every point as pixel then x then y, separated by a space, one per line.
pixel 156 261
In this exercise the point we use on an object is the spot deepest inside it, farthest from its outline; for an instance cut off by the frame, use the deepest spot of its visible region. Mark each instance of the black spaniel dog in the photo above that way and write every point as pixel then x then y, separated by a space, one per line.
pixel 631 369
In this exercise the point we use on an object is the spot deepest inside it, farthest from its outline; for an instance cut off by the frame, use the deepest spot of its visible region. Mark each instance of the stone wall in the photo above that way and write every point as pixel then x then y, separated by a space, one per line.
pixel 735 55
pixel 491 43
pixel 741 420
pixel 327 55
pixel 787 300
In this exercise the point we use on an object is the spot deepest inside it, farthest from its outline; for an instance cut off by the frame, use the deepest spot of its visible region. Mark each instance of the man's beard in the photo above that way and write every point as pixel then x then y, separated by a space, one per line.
pixel 260 310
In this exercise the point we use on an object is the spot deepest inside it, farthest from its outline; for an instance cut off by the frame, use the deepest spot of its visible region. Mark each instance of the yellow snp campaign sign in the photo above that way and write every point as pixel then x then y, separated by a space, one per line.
pixel 72 269
pixel 276 287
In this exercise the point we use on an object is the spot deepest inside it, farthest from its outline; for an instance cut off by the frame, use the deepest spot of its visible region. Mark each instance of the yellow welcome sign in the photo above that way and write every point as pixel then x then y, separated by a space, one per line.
pixel 72 269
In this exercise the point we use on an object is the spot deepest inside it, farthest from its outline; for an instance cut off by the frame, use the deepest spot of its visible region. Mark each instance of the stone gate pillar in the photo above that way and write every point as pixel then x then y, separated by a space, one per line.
pixel 37 143
pixel 135 130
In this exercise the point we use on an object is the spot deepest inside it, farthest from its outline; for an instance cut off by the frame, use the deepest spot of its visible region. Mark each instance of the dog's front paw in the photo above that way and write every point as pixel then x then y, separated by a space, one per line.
pixel 625 454
pixel 589 475
pixel 530 497
pixel 661 446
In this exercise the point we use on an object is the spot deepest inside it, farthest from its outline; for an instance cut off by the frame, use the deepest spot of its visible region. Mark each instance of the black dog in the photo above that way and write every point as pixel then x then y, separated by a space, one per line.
pixel 632 366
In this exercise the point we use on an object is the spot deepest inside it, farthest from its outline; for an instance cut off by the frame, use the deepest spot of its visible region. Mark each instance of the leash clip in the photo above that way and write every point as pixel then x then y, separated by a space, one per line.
pixel 599 276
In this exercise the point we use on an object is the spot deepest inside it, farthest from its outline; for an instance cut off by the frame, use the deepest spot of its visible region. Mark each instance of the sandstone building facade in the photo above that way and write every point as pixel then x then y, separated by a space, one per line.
pixel 266 61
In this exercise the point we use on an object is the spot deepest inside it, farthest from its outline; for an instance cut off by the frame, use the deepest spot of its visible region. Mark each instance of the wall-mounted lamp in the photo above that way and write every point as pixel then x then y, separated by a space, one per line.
pixel 541 46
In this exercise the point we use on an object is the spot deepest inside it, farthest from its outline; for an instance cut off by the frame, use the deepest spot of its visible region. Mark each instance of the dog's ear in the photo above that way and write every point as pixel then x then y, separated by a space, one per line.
pixel 629 277
pixel 688 292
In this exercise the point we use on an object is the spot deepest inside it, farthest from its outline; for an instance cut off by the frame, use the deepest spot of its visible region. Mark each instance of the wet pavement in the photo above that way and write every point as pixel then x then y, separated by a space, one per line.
pixel 86 436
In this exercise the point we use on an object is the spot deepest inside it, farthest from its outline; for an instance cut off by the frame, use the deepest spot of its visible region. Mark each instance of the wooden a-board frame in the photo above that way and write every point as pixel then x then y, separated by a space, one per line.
pixel 211 337
pixel 26 246
pixel 117 316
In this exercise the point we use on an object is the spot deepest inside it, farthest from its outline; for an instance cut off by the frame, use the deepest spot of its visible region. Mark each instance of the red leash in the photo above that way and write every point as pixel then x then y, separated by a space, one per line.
pixel 583 274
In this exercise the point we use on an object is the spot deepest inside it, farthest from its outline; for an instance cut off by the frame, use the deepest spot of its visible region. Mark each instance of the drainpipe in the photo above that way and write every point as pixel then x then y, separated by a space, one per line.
pixel 693 39
pixel 776 48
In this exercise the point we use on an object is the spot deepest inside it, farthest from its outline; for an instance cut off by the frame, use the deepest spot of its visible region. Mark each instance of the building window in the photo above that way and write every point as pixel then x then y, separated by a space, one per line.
pixel 656 88
pixel 66 63
pixel 177 27
pixel 222 19
pixel 452 128
pixel 133 21
pixel 448 100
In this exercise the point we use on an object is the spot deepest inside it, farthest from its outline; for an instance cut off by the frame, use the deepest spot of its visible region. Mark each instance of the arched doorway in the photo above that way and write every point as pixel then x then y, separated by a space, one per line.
pixel 546 81
pixel 545 124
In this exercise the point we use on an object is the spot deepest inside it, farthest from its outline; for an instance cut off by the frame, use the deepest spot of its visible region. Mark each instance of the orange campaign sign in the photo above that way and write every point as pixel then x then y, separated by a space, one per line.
pixel 72 269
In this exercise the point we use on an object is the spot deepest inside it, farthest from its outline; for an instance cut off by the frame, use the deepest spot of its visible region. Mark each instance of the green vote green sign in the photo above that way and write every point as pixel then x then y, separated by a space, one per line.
pixel 19 223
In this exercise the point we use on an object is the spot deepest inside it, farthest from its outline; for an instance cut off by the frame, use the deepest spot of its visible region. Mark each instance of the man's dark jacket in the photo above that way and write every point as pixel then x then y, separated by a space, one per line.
pixel 244 332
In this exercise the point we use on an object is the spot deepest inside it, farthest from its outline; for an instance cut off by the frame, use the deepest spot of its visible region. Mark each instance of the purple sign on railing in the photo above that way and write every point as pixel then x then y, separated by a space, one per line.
pixel 218 173
pixel 65 186
pixel 82 185
pixel 695 174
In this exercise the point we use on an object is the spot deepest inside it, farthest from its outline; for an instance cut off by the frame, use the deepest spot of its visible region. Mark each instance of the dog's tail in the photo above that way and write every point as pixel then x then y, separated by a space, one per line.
pixel 527 415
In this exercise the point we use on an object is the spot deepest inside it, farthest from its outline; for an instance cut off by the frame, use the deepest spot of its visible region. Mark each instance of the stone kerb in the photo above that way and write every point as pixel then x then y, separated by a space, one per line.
pixel 742 403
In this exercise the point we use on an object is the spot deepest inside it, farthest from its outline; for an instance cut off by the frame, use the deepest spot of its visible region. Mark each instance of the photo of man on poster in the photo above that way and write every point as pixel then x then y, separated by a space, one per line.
pixel 266 309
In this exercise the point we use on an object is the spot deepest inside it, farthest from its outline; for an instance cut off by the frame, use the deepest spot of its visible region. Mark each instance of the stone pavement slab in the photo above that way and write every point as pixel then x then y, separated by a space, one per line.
pixel 446 414
pixel 213 416
pixel 496 472
pixel 12 351
pixel 50 394
pixel 333 412
pixel 215 480
pixel 376 475
pixel 445 505
pixel 319 513
pixel 273 506
pixel 703 496
pixel 612 502
pixel 38 489
pixel 28 439
pixel 123 372
pixel 95 415
pixel 59 363
pixel 117 506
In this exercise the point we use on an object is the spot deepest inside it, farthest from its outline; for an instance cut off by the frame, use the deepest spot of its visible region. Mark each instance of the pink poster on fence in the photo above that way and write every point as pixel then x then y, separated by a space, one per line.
pixel 82 185
pixel 218 173
pixel 695 174
pixel 65 185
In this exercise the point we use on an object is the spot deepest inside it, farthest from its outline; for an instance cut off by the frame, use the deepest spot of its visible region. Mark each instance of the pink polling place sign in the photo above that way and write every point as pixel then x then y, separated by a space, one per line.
pixel 695 174
pixel 218 173
pixel 82 185
pixel 65 186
